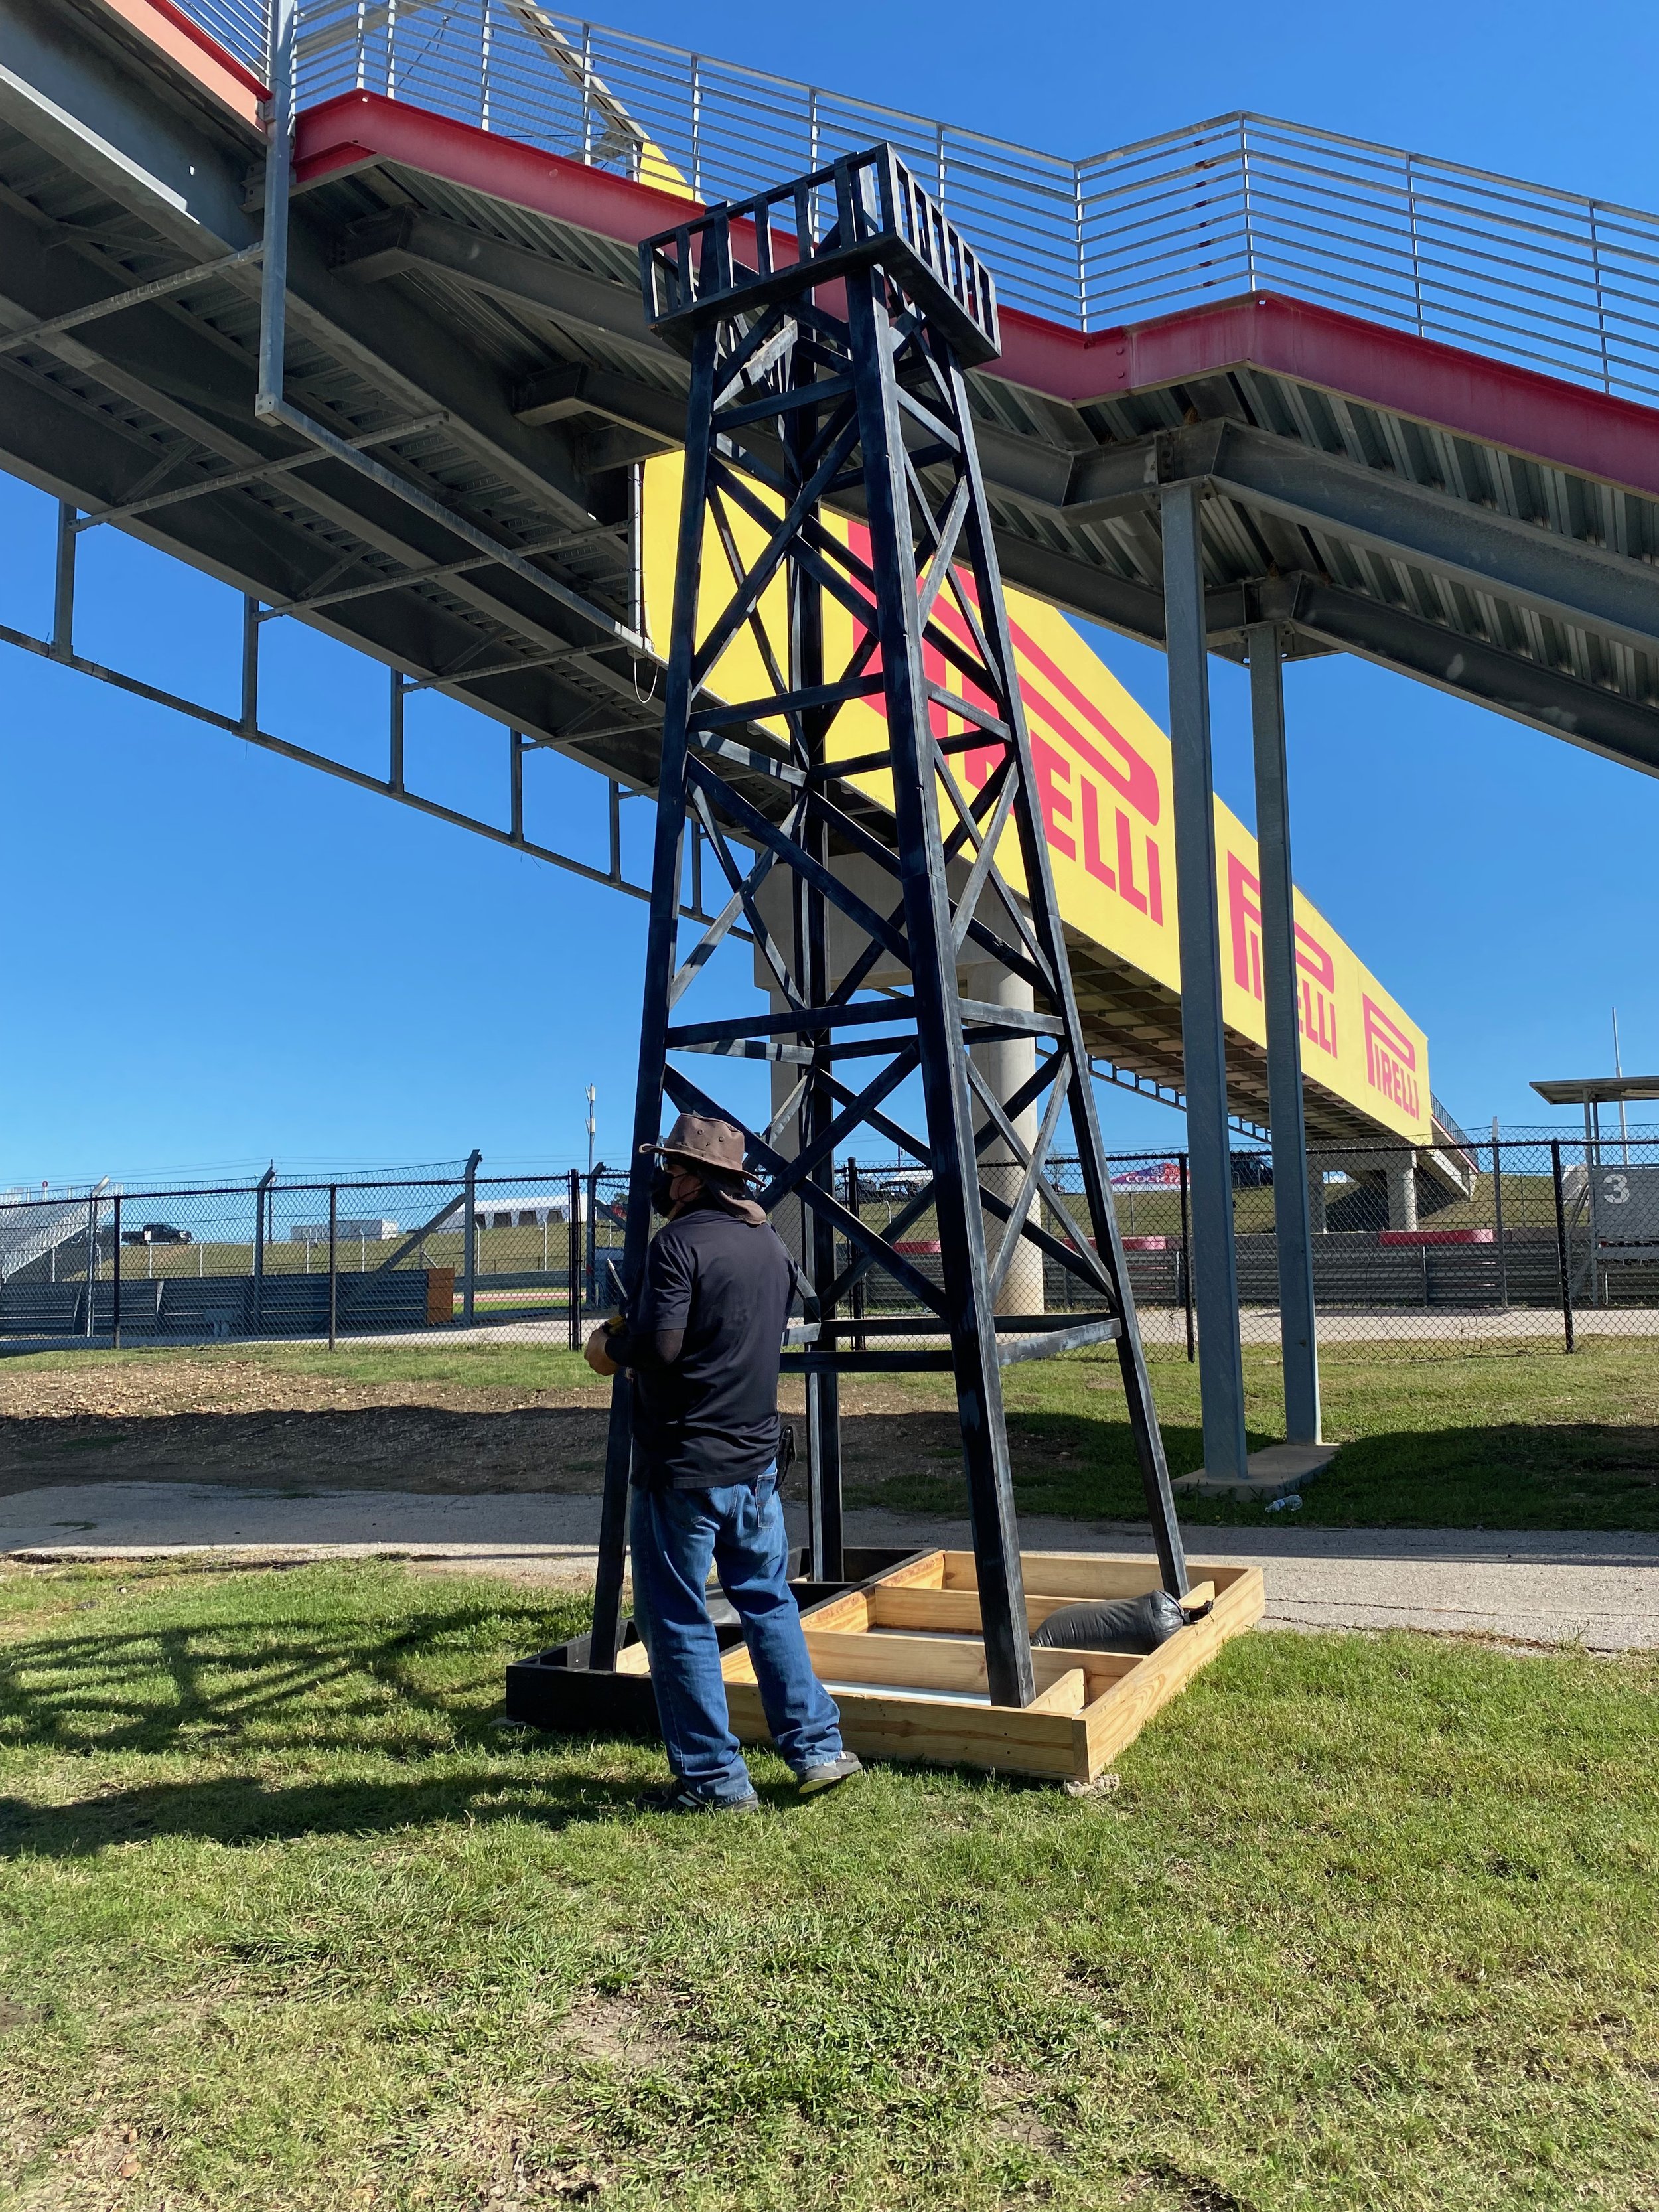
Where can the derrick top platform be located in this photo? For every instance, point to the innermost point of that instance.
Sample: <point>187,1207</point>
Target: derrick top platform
<point>1418,399</point>
<point>862,209</point>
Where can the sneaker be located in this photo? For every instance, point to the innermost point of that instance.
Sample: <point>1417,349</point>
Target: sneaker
<point>833,1772</point>
<point>680,1797</point>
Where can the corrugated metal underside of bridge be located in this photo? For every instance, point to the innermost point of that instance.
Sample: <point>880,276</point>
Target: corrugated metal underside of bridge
<point>469,310</point>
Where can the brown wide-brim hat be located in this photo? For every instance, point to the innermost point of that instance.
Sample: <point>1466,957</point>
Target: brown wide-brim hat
<point>706,1143</point>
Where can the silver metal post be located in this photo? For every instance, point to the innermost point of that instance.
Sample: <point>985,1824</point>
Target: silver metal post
<point>587,94</point>
<point>279,164</point>
<point>250,665</point>
<point>1601,301</point>
<point>395,764</point>
<point>1081,246</point>
<point>1220,1362</point>
<point>63,602</point>
<point>470,1238</point>
<point>1417,254</point>
<point>1293,1230</point>
<point>696,128</point>
<point>261,1204</point>
<point>636,555</point>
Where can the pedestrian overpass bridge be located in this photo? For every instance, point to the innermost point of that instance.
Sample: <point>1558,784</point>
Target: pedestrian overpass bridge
<point>1413,402</point>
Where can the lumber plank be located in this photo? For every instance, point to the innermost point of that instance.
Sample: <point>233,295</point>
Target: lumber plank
<point>926,1573</point>
<point>1066,1694</point>
<point>943,1609</point>
<point>949,1610</point>
<point>1090,1704</point>
<point>1002,1737</point>
<point>1074,1575</point>
<point>633,1659</point>
<point>1116,1719</point>
<point>943,1662</point>
<point>850,1610</point>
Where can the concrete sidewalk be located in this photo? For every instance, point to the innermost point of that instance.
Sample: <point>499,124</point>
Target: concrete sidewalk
<point>1521,1586</point>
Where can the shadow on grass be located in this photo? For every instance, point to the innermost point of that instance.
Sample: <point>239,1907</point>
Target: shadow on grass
<point>243,1809</point>
<point>324,1684</point>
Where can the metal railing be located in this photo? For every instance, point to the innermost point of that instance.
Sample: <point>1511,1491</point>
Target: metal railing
<point>1551,280</point>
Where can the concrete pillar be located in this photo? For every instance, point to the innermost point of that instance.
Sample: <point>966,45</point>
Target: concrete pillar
<point>1215,1269</point>
<point>1279,994</point>
<point>789,1218</point>
<point>1402,1191</point>
<point>1005,1067</point>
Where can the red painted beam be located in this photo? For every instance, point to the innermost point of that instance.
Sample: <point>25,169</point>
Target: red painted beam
<point>1544,418</point>
<point>359,128</point>
<point>195,52</point>
<point>1561,425</point>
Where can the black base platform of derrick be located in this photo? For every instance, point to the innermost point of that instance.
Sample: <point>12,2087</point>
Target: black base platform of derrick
<point>556,1689</point>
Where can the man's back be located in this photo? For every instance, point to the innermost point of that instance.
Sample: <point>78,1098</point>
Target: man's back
<point>711,1417</point>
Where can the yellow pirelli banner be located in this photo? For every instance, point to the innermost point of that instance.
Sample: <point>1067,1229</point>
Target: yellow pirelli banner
<point>1103,776</point>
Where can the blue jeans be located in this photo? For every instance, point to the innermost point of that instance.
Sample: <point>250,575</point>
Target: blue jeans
<point>676,1533</point>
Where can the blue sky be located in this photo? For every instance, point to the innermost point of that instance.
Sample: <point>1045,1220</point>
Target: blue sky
<point>217,957</point>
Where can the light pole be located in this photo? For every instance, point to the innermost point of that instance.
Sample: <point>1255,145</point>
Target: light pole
<point>592,1127</point>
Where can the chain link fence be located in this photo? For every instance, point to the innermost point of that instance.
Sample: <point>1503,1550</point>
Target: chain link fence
<point>281,1258</point>
<point>1451,1248</point>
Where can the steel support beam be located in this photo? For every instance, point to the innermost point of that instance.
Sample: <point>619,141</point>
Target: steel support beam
<point>1280,995</point>
<point>1492,554</point>
<point>1215,1271</point>
<point>406,242</point>
<point>1486,675</point>
<point>141,356</point>
<point>1332,618</point>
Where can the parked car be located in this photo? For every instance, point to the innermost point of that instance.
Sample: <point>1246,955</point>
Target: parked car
<point>156,1232</point>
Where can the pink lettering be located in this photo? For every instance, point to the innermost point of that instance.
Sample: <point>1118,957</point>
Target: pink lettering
<point>1091,859</point>
<point>1050,767</point>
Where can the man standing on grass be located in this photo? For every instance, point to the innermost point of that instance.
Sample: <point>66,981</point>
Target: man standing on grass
<point>702,1345</point>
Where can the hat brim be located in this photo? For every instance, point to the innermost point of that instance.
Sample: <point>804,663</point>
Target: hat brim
<point>697,1160</point>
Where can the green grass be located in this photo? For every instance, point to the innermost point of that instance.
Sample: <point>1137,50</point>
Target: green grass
<point>1533,1440</point>
<point>1527,1439</point>
<point>1368,1924</point>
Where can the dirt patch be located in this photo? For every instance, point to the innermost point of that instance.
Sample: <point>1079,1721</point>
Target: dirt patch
<point>1011,2098</point>
<point>619,2031</point>
<point>94,2173</point>
<point>418,1448</point>
<point>240,1422</point>
<point>139,1389</point>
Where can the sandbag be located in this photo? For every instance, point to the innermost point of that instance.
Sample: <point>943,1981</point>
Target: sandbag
<point>1122,1624</point>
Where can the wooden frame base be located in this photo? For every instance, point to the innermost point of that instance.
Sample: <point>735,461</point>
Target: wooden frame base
<point>904,1659</point>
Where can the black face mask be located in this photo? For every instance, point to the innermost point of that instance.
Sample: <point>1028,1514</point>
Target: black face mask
<point>662,1192</point>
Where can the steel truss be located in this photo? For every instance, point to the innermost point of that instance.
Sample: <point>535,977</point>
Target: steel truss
<point>829,359</point>
<point>60,647</point>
